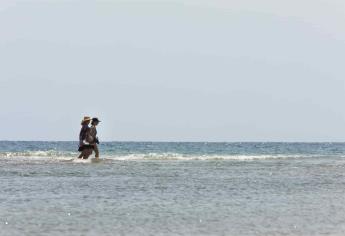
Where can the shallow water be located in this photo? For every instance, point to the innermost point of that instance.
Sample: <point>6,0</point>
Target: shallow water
<point>164,189</point>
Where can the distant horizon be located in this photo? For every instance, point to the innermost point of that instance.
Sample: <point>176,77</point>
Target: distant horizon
<point>119,141</point>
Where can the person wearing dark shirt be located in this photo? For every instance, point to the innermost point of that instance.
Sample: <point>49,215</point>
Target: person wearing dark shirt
<point>84,147</point>
<point>93,136</point>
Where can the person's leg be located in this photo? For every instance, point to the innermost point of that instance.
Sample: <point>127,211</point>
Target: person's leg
<point>96,151</point>
<point>81,152</point>
<point>87,152</point>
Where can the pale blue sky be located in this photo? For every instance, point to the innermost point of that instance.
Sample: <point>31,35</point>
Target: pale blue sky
<point>175,70</point>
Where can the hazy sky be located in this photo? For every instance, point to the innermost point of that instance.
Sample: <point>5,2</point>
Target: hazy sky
<point>178,70</point>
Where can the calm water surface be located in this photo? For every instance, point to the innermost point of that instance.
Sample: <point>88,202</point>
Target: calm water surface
<point>173,189</point>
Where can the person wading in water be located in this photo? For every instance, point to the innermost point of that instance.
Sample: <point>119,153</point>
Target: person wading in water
<point>93,139</point>
<point>84,146</point>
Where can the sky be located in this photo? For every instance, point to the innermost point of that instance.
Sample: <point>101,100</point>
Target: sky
<point>177,70</point>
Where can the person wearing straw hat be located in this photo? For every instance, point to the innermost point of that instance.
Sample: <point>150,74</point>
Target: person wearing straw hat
<point>84,147</point>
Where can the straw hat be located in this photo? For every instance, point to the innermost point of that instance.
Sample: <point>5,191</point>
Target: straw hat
<point>86,118</point>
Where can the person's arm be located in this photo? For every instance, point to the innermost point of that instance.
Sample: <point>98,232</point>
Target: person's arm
<point>81,136</point>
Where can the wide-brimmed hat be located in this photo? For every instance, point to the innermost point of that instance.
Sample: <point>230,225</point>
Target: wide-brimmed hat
<point>95,119</point>
<point>86,118</point>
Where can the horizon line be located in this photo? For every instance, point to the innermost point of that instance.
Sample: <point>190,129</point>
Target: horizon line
<point>148,141</point>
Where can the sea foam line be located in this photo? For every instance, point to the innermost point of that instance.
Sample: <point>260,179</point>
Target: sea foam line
<point>56,155</point>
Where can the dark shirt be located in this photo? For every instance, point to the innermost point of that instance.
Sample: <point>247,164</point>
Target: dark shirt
<point>93,134</point>
<point>83,133</point>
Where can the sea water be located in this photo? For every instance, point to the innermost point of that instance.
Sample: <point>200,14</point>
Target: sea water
<point>152,188</point>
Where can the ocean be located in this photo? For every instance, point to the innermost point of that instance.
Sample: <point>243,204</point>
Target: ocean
<point>158,188</point>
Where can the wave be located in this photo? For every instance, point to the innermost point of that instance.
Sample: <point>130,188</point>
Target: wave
<point>54,155</point>
<point>176,156</point>
<point>38,155</point>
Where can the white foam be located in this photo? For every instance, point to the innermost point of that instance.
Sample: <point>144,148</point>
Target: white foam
<point>175,156</point>
<point>82,161</point>
<point>58,156</point>
<point>51,155</point>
